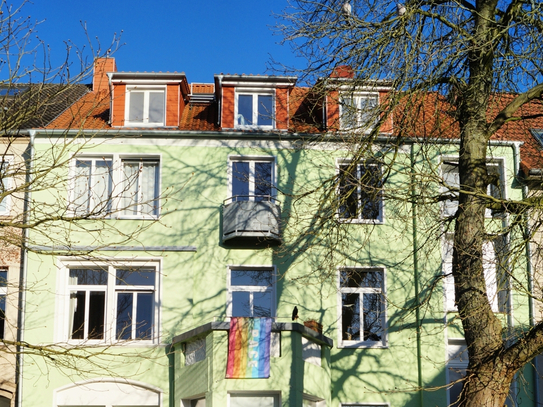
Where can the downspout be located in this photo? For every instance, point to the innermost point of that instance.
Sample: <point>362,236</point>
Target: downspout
<point>219,99</point>
<point>416,276</point>
<point>23,273</point>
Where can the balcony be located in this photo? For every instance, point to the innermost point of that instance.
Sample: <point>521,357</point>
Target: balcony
<point>299,365</point>
<point>250,219</point>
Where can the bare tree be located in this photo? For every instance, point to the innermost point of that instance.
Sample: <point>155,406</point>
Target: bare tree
<point>478,66</point>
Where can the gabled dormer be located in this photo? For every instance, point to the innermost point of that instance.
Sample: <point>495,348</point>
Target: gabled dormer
<point>254,102</point>
<point>147,99</point>
<point>352,104</point>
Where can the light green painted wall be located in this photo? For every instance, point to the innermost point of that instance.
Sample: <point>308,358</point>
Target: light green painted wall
<point>193,285</point>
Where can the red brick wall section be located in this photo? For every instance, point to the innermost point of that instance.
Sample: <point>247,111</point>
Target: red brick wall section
<point>172,105</point>
<point>281,108</point>
<point>102,66</point>
<point>332,110</point>
<point>387,125</point>
<point>119,96</point>
<point>227,114</point>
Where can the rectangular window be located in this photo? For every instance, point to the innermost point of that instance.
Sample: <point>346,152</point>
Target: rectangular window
<point>140,187</point>
<point>251,292</point>
<point>121,298</point>
<point>6,181</point>
<point>495,261</point>
<point>3,295</point>
<point>363,306</point>
<point>358,111</point>
<point>254,400</point>
<point>254,110</point>
<point>360,191</point>
<point>145,107</point>
<point>252,179</point>
<point>93,183</point>
<point>107,185</point>
<point>451,179</point>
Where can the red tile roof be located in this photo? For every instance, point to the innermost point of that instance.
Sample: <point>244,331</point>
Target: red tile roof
<point>427,115</point>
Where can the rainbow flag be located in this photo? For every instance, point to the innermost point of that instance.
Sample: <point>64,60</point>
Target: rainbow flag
<point>249,348</point>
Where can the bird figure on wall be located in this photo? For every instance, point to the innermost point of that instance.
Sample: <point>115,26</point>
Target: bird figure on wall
<point>346,8</point>
<point>295,313</point>
<point>400,8</point>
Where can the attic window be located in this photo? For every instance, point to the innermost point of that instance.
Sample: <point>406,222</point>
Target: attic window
<point>254,109</point>
<point>145,107</point>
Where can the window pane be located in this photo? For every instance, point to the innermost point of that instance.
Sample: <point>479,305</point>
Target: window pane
<point>348,112</point>
<point>262,304</point>
<point>125,302</point>
<point>451,178</point>
<point>263,180</point>
<point>367,113</point>
<point>135,114</point>
<point>373,325</point>
<point>262,278</point>
<point>454,375</point>
<point>3,278</point>
<point>135,276</point>
<point>241,304</point>
<point>144,312</point>
<point>370,185</point>
<point>348,192</point>
<point>265,110</point>
<point>149,185</point>
<point>350,317</point>
<point>156,107</point>
<point>88,277</point>
<point>101,186</point>
<point>77,311</point>
<point>5,185</point>
<point>97,302</point>
<point>2,315</point>
<point>240,181</point>
<point>245,110</point>
<point>252,401</point>
<point>198,403</point>
<point>82,185</point>
<point>361,278</point>
<point>130,187</point>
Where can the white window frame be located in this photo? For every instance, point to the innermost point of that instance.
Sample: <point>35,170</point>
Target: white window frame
<point>357,97</point>
<point>111,289</point>
<point>342,343</point>
<point>380,219</point>
<point>146,90</point>
<point>457,358</point>
<point>7,161</point>
<point>494,164</point>
<point>252,160</point>
<point>275,394</point>
<point>93,205</point>
<point>251,288</point>
<point>496,285</point>
<point>116,193</point>
<point>254,93</point>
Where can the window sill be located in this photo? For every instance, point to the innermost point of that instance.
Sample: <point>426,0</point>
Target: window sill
<point>127,343</point>
<point>138,217</point>
<point>361,221</point>
<point>362,344</point>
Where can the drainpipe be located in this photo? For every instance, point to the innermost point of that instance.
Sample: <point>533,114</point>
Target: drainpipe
<point>219,99</point>
<point>23,274</point>
<point>416,277</point>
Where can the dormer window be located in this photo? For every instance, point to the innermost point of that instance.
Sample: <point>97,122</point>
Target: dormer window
<point>255,110</point>
<point>358,111</point>
<point>145,106</point>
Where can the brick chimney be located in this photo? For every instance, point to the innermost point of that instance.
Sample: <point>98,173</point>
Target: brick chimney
<point>102,66</point>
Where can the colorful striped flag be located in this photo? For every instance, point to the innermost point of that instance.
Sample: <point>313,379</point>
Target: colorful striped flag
<point>249,348</point>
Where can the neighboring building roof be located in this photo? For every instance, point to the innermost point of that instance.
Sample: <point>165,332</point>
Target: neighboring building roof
<point>36,105</point>
<point>89,112</point>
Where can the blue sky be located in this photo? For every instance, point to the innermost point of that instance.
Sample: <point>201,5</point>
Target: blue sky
<point>198,37</point>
